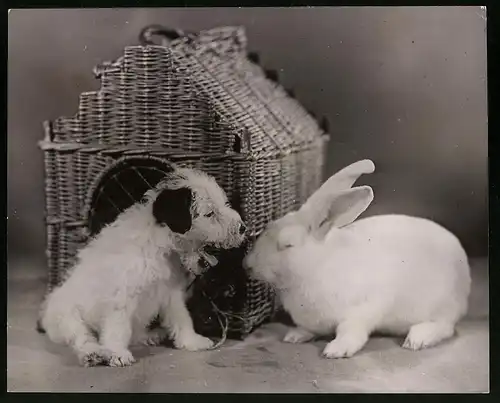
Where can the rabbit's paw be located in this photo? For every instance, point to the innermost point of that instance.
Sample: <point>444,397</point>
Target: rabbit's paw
<point>340,349</point>
<point>427,334</point>
<point>298,335</point>
<point>350,339</point>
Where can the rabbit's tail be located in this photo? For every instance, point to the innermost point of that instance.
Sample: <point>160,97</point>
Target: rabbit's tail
<point>39,326</point>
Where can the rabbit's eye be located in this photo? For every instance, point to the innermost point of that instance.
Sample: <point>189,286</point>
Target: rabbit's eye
<point>283,246</point>
<point>211,214</point>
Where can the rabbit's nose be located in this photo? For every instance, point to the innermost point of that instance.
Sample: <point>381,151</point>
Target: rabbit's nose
<point>245,265</point>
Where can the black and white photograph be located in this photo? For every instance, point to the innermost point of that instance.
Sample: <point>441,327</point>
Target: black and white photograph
<point>248,200</point>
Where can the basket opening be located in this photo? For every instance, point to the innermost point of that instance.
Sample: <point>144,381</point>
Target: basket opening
<point>123,185</point>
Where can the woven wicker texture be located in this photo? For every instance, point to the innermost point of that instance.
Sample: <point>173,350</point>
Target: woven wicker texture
<point>197,101</point>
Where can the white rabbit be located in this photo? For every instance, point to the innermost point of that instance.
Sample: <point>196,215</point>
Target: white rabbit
<point>390,273</point>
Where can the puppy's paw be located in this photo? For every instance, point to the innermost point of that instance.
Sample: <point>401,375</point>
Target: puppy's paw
<point>298,335</point>
<point>92,359</point>
<point>154,337</point>
<point>121,359</point>
<point>193,342</point>
<point>97,356</point>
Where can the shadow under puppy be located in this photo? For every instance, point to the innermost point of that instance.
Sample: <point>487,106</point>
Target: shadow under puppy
<point>139,267</point>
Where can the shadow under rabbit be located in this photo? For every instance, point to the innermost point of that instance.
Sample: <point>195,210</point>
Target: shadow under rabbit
<point>379,341</point>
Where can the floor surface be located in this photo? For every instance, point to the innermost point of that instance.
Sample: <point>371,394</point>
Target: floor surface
<point>259,364</point>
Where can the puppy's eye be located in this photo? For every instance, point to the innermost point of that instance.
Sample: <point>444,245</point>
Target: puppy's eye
<point>211,214</point>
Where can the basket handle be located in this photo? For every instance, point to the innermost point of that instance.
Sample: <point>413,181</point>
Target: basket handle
<point>166,34</point>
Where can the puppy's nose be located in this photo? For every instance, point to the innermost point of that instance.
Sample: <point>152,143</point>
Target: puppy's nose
<point>242,229</point>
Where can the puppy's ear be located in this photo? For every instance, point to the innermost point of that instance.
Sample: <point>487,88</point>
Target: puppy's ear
<point>173,208</point>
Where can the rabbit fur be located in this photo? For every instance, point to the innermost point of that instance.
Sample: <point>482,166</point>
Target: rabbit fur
<point>395,274</point>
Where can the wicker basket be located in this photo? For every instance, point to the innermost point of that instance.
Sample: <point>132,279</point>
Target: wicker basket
<point>195,101</point>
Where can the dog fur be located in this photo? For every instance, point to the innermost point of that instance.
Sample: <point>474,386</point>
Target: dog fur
<point>140,266</point>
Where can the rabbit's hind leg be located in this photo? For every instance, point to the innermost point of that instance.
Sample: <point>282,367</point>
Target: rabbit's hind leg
<point>428,334</point>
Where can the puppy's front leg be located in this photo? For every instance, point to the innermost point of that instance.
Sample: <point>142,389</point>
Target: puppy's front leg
<point>116,334</point>
<point>177,320</point>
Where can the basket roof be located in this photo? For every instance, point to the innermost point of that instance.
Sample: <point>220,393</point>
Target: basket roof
<point>212,70</point>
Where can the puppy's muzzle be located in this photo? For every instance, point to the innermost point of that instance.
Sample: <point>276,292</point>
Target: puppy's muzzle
<point>243,229</point>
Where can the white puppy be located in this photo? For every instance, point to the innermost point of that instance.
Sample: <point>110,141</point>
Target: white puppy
<point>138,267</point>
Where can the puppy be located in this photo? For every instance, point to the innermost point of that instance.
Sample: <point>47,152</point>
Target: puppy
<point>139,267</point>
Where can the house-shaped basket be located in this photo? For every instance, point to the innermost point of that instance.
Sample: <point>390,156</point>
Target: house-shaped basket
<point>195,101</point>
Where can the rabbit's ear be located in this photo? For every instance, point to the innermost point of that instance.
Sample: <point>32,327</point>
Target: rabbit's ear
<point>346,206</point>
<point>315,208</point>
<point>289,236</point>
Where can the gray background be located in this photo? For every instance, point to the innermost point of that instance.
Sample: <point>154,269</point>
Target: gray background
<point>405,87</point>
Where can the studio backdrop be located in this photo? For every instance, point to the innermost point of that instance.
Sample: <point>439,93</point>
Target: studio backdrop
<point>404,87</point>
